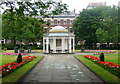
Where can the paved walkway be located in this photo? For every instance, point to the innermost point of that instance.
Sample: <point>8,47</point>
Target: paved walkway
<point>60,68</point>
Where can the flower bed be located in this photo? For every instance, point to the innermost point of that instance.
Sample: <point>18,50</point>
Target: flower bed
<point>111,67</point>
<point>14,53</point>
<point>11,67</point>
<point>98,52</point>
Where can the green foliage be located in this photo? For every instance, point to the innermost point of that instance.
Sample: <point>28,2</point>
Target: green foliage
<point>19,58</point>
<point>5,49</point>
<point>97,25</point>
<point>20,21</point>
<point>102,35</point>
<point>109,23</point>
<point>86,24</point>
<point>8,46</point>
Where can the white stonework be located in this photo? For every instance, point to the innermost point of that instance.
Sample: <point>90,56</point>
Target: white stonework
<point>69,44</point>
<point>43,44</point>
<point>47,44</point>
<point>58,42</point>
<point>54,45</point>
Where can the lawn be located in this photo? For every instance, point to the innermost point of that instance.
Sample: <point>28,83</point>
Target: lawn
<point>9,51</point>
<point>93,51</point>
<point>110,57</point>
<point>32,51</point>
<point>7,59</point>
<point>17,74</point>
<point>99,70</point>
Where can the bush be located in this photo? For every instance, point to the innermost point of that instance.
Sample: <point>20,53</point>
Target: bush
<point>77,47</point>
<point>19,58</point>
<point>35,46</point>
<point>5,49</point>
<point>101,57</point>
<point>17,45</point>
<point>8,46</point>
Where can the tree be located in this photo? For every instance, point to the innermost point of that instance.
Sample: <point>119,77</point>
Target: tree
<point>97,25</point>
<point>110,23</point>
<point>17,18</point>
<point>102,35</point>
<point>86,24</point>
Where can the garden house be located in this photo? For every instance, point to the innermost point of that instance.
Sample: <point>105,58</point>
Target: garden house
<point>58,40</point>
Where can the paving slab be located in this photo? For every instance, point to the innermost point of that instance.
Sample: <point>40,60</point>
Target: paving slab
<point>61,68</point>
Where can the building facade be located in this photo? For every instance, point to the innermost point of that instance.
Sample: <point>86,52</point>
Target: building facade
<point>94,5</point>
<point>119,4</point>
<point>66,20</point>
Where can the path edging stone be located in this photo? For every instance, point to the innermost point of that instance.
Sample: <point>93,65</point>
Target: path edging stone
<point>19,80</point>
<point>91,70</point>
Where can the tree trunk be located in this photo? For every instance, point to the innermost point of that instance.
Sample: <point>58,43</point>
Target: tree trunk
<point>14,42</point>
<point>107,45</point>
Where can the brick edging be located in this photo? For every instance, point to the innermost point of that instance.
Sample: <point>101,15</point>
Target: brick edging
<point>19,80</point>
<point>92,71</point>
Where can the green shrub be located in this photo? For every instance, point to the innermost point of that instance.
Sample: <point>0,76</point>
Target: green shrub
<point>19,58</point>
<point>5,49</point>
<point>101,57</point>
<point>9,46</point>
<point>77,47</point>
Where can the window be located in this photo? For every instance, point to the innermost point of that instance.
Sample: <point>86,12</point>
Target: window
<point>58,42</point>
<point>71,22</point>
<point>58,22</point>
<point>71,30</point>
<point>45,30</point>
<point>52,22</point>
<point>65,22</point>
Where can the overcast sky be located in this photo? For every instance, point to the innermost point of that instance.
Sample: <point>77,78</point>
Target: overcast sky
<point>78,5</point>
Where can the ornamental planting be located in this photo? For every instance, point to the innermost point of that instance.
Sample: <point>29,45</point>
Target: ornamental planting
<point>109,66</point>
<point>98,52</point>
<point>11,67</point>
<point>5,53</point>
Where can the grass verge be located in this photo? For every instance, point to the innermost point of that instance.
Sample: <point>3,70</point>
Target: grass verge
<point>110,57</point>
<point>107,76</point>
<point>17,74</point>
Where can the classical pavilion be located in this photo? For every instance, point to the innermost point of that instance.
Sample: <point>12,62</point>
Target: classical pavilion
<point>59,40</point>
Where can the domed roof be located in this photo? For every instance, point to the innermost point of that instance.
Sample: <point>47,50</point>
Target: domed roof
<point>58,29</point>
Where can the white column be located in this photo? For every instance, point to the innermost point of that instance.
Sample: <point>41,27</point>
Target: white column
<point>73,44</point>
<point>43,44</point>
<point>47,44</point>
<point>63,46</point>
<point>69,44</point>
<point>4,41</point>
<point>54,44</point>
